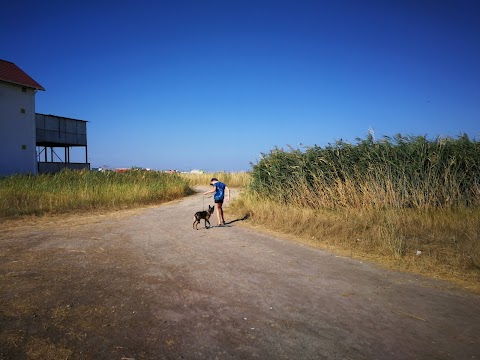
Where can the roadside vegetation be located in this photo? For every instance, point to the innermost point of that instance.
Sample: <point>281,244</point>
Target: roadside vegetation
<point>233,180</point>
<point>70,191</point>
<point>407,202</point>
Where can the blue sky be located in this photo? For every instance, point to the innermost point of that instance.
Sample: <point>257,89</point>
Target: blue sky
<point>212,84</point>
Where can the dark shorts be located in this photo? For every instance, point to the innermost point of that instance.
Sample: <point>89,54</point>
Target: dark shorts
<point>219,201</point>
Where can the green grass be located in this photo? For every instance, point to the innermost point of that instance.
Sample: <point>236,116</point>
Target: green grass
<point>69,191</point>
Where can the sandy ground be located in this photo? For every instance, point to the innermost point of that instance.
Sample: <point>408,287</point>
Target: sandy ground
<point>142,284</point>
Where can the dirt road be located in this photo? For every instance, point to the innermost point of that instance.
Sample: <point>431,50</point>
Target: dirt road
<point>143,285</point>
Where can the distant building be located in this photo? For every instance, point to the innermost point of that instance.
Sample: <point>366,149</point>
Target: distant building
<point>23,133</point>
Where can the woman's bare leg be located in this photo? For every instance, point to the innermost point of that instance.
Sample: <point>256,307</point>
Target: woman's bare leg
<point>219,212</point>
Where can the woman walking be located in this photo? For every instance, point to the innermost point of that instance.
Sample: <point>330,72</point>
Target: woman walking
<point>219,190</point>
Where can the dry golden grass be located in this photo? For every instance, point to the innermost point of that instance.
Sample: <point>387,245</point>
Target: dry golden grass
<point>76,191</point>
<point>233,180</point>
<point>387,199</point>
<point>449,240</point>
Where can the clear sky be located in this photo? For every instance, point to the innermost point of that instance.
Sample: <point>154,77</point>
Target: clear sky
<point>212,84</point>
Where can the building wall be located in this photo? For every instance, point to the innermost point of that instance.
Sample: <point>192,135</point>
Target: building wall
<point>17,130</point>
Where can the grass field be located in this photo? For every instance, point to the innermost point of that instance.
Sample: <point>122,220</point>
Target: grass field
<point>408,202</point>
<point>70,191</point>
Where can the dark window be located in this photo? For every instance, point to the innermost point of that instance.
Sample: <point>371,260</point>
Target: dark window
<point>24,89</point>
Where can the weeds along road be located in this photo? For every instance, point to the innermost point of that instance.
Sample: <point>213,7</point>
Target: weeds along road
<point>143,284</point>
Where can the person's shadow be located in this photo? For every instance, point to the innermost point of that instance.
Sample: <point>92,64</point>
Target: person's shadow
<point>245,217</point>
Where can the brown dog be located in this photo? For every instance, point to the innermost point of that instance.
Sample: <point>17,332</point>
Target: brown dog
<point>199,215</point>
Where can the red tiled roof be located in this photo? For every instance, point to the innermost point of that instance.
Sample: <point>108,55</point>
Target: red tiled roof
<point>11,73</point>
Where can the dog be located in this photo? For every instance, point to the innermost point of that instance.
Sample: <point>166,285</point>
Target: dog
<point>199,215</point>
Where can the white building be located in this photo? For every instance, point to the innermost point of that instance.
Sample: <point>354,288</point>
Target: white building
<point>29,142</point>
<point>17,120</point>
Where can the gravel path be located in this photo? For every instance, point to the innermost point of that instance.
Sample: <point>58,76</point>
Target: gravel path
<point>145,285</point>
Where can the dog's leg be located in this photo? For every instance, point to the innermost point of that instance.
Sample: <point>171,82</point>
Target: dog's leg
<point>206,224</point>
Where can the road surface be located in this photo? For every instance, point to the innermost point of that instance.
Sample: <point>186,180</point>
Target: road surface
<point>143,284</point>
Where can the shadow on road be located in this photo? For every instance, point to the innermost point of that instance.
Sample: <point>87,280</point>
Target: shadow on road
<point>245,217</point>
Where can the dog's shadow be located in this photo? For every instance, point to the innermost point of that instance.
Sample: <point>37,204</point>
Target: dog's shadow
<point>245,217</point>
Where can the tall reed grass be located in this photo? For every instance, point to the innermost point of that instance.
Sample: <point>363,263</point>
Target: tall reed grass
<point>84,190</point>
<point>388,200</point>
<point>399,172</point>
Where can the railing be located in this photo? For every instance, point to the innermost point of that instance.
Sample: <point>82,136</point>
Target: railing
<point>53,167</point>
